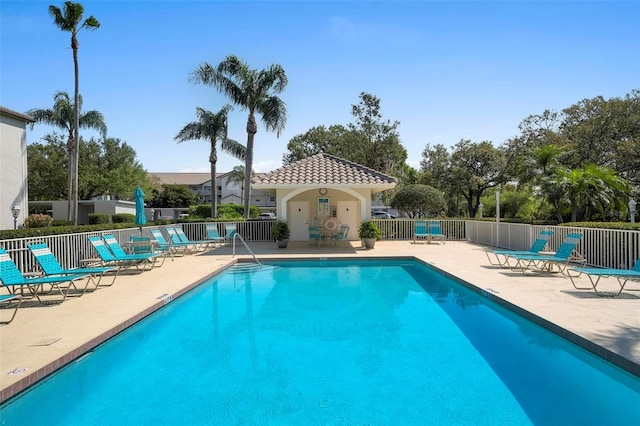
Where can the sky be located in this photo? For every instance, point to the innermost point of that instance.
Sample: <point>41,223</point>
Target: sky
<point>446,70</point>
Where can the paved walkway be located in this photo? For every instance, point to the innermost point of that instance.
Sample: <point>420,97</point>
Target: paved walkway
<point>43,338</point>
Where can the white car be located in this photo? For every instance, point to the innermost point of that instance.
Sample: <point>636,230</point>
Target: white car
<point>267,216</point>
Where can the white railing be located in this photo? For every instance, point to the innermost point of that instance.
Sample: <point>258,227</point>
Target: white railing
<point>601,247</point>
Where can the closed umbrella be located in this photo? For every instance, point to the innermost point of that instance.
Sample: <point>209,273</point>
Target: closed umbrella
<point>138,196</point>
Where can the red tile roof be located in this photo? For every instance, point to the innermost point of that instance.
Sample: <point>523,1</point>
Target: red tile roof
<point>324,169</point>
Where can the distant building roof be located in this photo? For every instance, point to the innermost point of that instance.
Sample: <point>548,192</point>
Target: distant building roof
<point>182,178</point>
<point>15,114</point>
<point>188,178</point>
<point>325,170</point>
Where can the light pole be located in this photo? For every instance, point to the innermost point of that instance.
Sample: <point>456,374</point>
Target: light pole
<point>632,210</point>
<point>15,211</point>
<point>498,203</point>
<point>480,207</point>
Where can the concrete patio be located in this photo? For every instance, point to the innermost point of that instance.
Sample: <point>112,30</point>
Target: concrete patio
<point>41,339</point>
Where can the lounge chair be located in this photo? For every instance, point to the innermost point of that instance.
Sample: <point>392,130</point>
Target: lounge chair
<point>144,259</point>
<point>621,275</point>
<point>50,265</point>
<point>13,279</point>
<point>420,230</point>
<point>177,231</point>
<point>537,246</point>
<point>561,258</point>
<point>144,245</point>
<point>8,299</point>
<point>230,230</point>
<point>341,235</point>
<point>163,245</point>
<point>314,234</point>
<point>435,232</point>
<point>123,260</point>
<point>213,235</point>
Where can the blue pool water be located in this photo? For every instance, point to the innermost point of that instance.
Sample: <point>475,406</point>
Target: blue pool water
<point>333,343</point>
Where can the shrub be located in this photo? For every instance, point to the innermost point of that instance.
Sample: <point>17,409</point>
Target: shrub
<point>123,218</point>
<point>280,231</point>
<point>60,222</point>
<point>98,218</point>
<point>200,210</point>
<point>38,220</point>
<point>369,229</point>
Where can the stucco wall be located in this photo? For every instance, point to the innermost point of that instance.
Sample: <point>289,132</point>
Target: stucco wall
<point>13,170</point>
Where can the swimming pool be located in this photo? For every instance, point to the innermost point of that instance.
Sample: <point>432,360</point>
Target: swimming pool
<point>333,342</point>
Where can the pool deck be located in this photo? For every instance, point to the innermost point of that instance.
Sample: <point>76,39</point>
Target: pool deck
<point>41,338</point>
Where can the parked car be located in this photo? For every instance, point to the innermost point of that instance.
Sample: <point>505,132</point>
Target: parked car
<point>380,215</point>
<point>267,216</point>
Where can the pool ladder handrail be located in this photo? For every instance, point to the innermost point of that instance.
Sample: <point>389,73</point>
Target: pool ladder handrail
<point>236,234</point>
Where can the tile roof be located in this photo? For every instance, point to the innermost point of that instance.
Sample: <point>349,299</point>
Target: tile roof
<point>326,170</point>
<point>15,114</point>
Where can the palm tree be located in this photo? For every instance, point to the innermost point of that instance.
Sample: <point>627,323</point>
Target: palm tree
<point>237,175</point>
<point>212,126</point>
<point>62,115</point>
<point>588,189</point>
<point>69,21</point>
<point>254,91</point>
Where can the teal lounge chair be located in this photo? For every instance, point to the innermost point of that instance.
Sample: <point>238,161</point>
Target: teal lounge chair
<point>538,245</point>
<point>342,235</point>
<point>9,299</point>
<point>621,275</point>
<point>561,258</point>
<point>182,237</point>
<point>213,235</point>
<point>123,260</point>
<point>144,259</point>
<point>50,265</point>
<point>435,232</point>
<point>13,279</point>
<point>420,231</point>
<point>230,230</point>
<point>164,245</point>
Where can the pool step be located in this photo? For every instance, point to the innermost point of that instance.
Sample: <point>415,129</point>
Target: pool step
<point>249,267</point>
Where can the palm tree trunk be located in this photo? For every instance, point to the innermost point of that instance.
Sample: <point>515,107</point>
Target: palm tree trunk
<point>251,132</point>
<point>76,125</point>
<point>213,159</point>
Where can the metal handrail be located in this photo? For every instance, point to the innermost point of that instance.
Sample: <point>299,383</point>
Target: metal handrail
<point>245,245</point>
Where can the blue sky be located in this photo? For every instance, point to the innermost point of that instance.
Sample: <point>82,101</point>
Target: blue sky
<point>446,70</point>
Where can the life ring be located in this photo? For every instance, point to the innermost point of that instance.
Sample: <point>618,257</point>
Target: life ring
<point>331,224</point>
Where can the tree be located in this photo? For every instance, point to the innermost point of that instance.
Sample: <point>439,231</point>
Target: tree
<point>587,190</point>
<point>62,115</point>
<point>382,149</point>
<point>253,90</point>
<point>334,140</point>
<point>237,175</point>
<point>69,22</point>
<point>172,196</point>
<point>213,127</point>
<point>476,167</point>
<point>47,169</point>
<point>370,141</point>
<point>419,200</point>
<point>107,167</point>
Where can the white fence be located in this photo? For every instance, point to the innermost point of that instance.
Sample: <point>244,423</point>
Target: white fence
<point>601,247</point>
